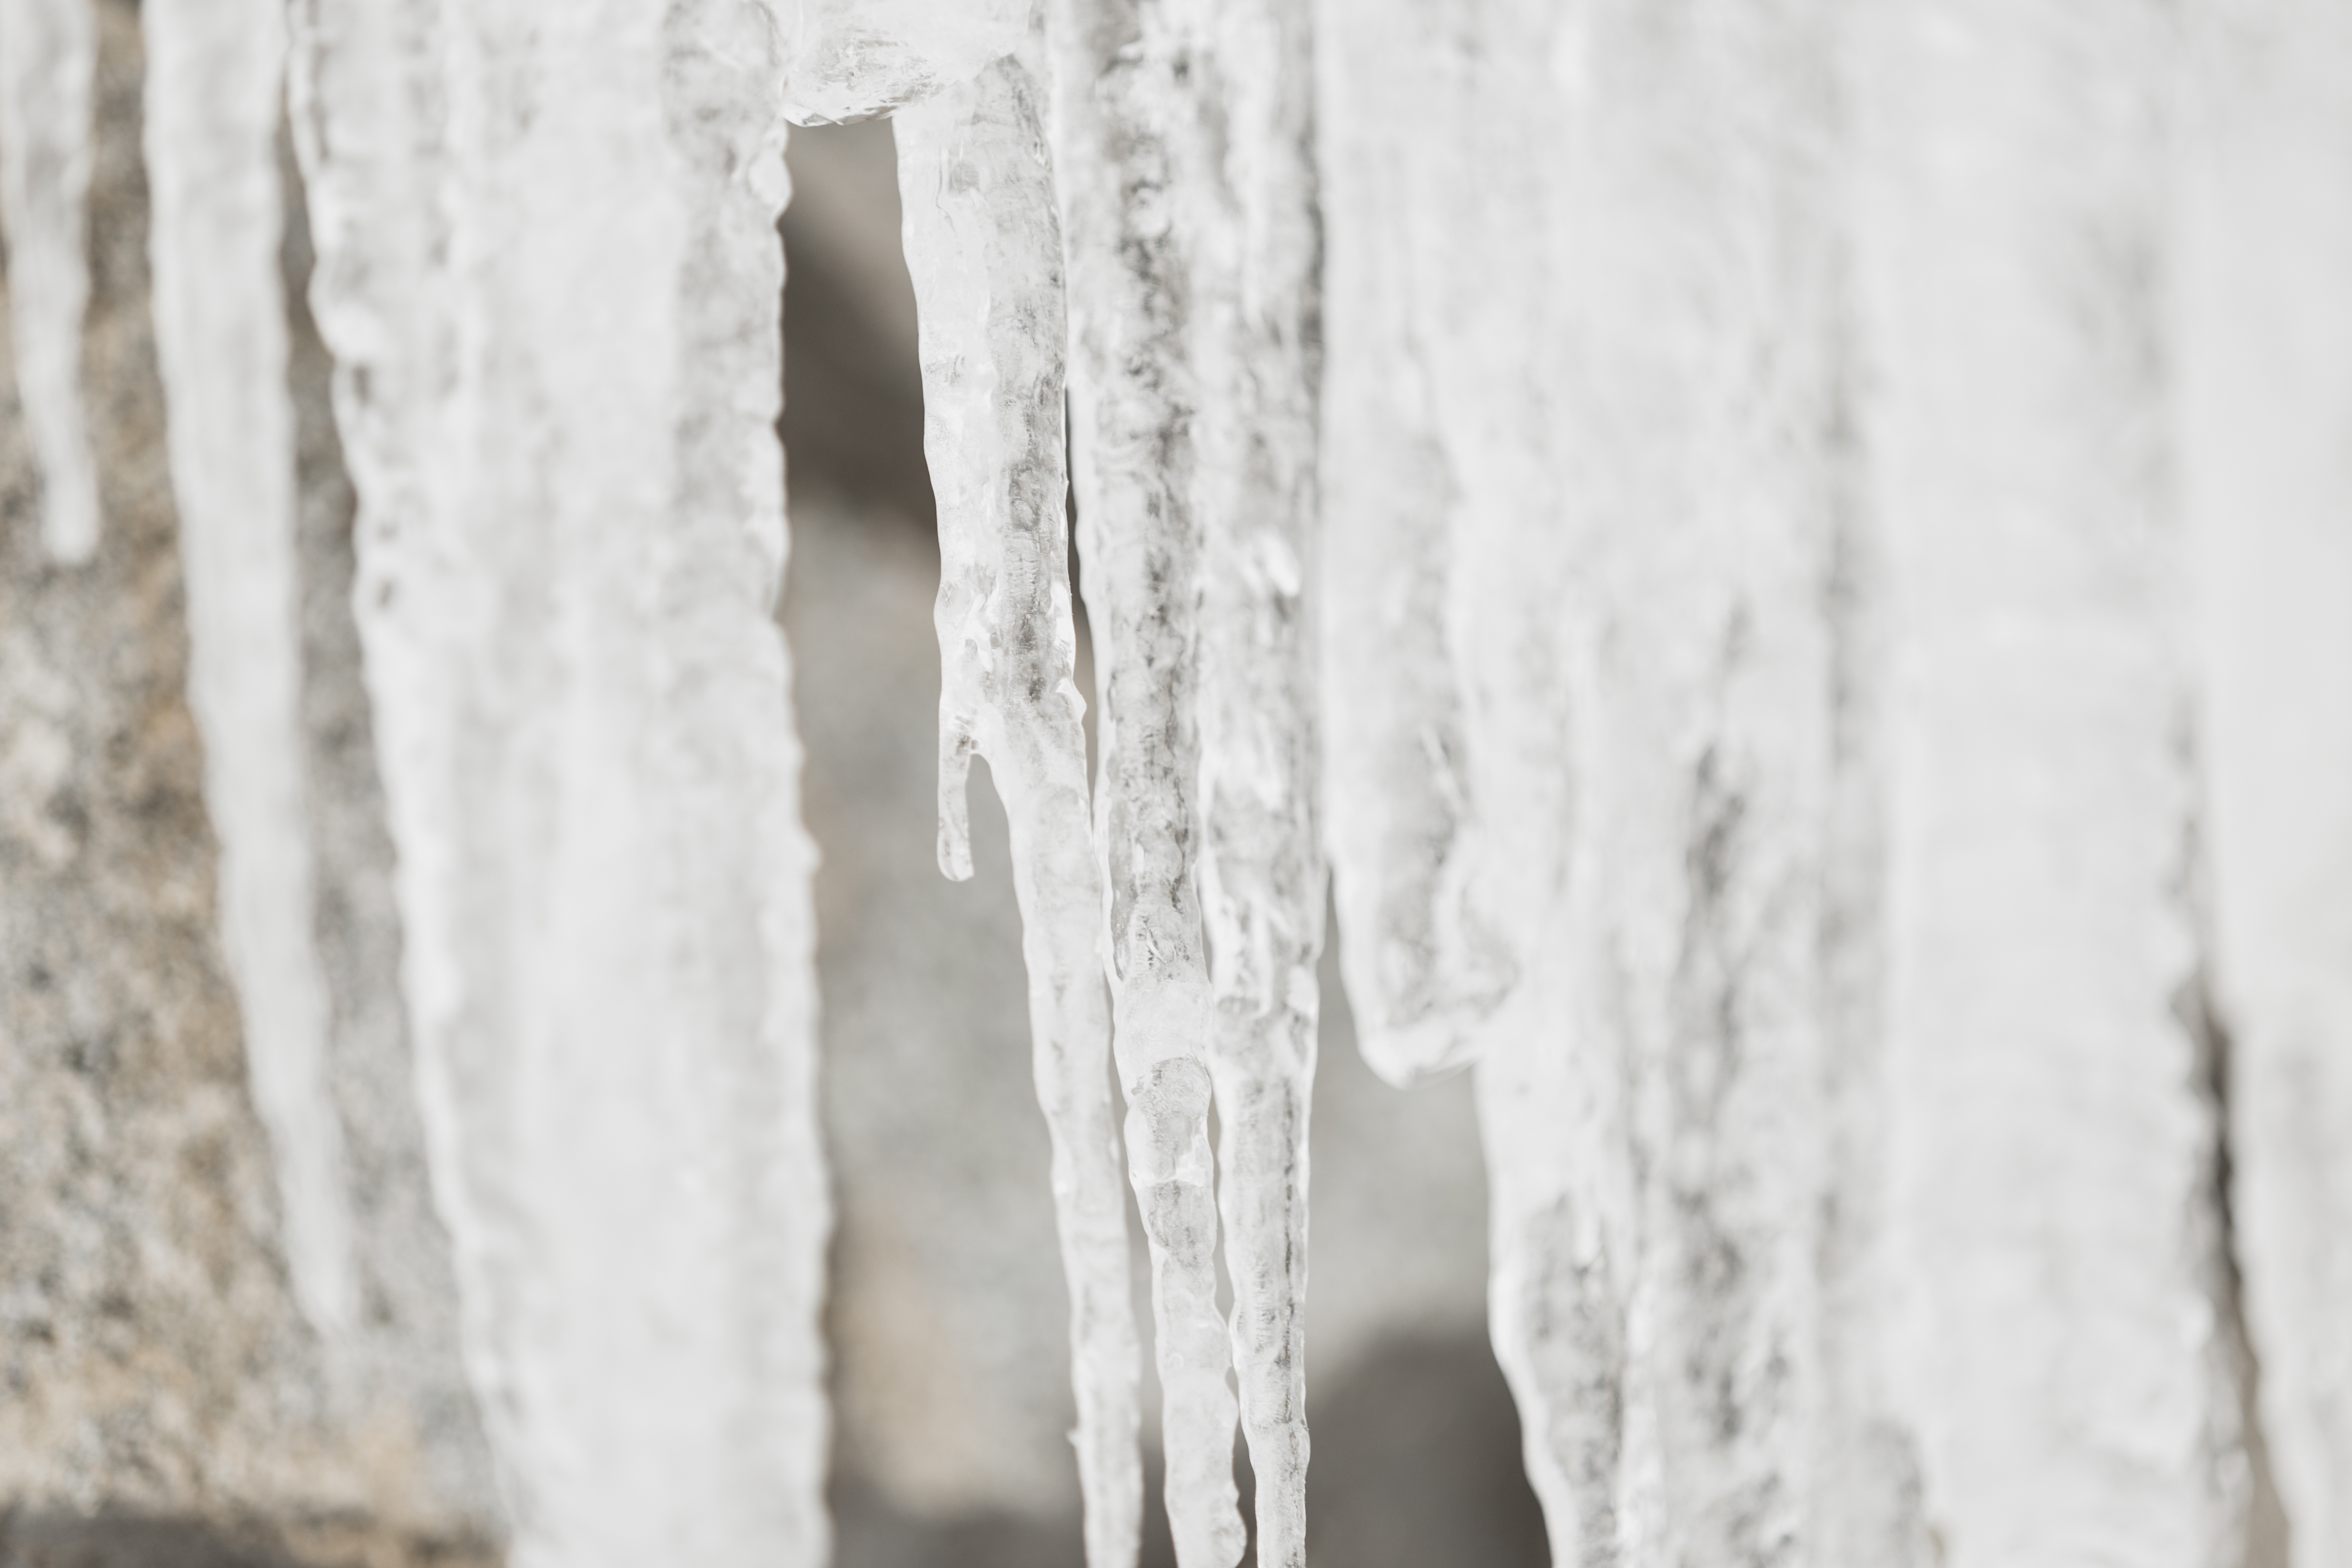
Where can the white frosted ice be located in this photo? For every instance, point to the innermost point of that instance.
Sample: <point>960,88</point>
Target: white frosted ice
<point>1425,953</point>
<point>1252,220</point>
<point>2264,361</point>
<point>2056,1349</point>
<point>213,102</point>
<point>49,50</point>
<point>855,59</point>
<point>555,316</point>
<point>983,247</point>
<point>1126,140</point>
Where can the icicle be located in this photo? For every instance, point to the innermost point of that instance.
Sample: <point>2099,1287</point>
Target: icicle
<point>855,59</point>
<point>213,107</point>
<point>1261,869</point>
<point>984,248</point>
<point>561,422</point>
<point>1126,144</point>
<point>2264,362</point>
<point>2057,1353</point>
<point>1424,951</point>
<point>48,49</point>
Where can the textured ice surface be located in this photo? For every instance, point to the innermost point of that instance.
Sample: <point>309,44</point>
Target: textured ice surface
<point>853,59</point>
<point>549,271</point>
<point>1423,945</point>
<point>2056,1348</point>
<point>214,81</point>
<point>48,49</point>
<point>983,247</point>
<point>1252,219</point>
<point>1128,141</point>
<point>2263,358</point>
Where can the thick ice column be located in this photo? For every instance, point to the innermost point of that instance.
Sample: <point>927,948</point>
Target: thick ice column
<point>1126,140</point>
<point>2264,357</point>
<point>49,50</point>
<point>983,246</point>
<point>2049,1195</point>
<point>856,59</point>
<point>212,105</point>
<point>1654,1093</point>
<point>1423,947</point>
<point>560,408</point>
<point>1260,865</point>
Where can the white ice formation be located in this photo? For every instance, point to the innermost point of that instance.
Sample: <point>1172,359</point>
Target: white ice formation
<point>549,271</point>
<point>48,51</point>
<point>214,84</point>
<point>983,247</point>
<point>1797,558</point>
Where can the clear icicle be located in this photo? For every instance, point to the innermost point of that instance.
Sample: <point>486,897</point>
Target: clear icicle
<point>572,542</point>
<point>213,106</point>
<point>856,59</point>
<point>2264,365</point>
<point>1424,952</point>
<point>48,51</point>
<point>1261,868</point>
<point>983,246</point>
<point>2057,1350</point>
<point>1126,140</point>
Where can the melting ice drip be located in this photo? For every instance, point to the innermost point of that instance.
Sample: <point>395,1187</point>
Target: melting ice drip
<point>1780,549</point>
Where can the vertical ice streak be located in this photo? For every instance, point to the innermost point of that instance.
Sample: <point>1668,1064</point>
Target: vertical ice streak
<point>549,268</point>
<point>48,49</point>
<point>983,246</point>
<point>212,105</point>
<point>1261,868</point>
<point>2057,1349</point>
<point>1425,952</point>
<point>2265,358</point>
<point>1126,140</point>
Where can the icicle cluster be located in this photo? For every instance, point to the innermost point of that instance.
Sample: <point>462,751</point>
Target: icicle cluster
<point>1799,558</point>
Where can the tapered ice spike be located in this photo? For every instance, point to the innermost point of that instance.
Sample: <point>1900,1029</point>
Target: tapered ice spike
<point>1129,139</point>
<point>983,247</point>
<point>214,75</point>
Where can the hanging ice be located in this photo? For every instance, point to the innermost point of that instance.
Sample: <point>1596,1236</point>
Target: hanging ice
<point>1423,945</point>
<point>855,59</point>
<point>559,408</point>
<point>983,246</point>
<point>1126,140</point>
<point>213,106</point>
<point>48,49</point>
<point>2058,1352</point>
<point>2264,366</point>
<point>1253,222</point>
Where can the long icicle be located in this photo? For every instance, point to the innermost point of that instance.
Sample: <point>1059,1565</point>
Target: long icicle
<point>1261,872</point>
<point>48,51</point>
<point>983,246</point>
<point>570,543</point>
<point>1126,136</point>
<point>213,108</point>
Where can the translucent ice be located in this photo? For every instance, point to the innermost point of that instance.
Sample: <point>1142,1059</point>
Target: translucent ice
<point>1126,140</point>
<point>1252,218</point>
<point>983,246</point>
<point>855,59</point>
